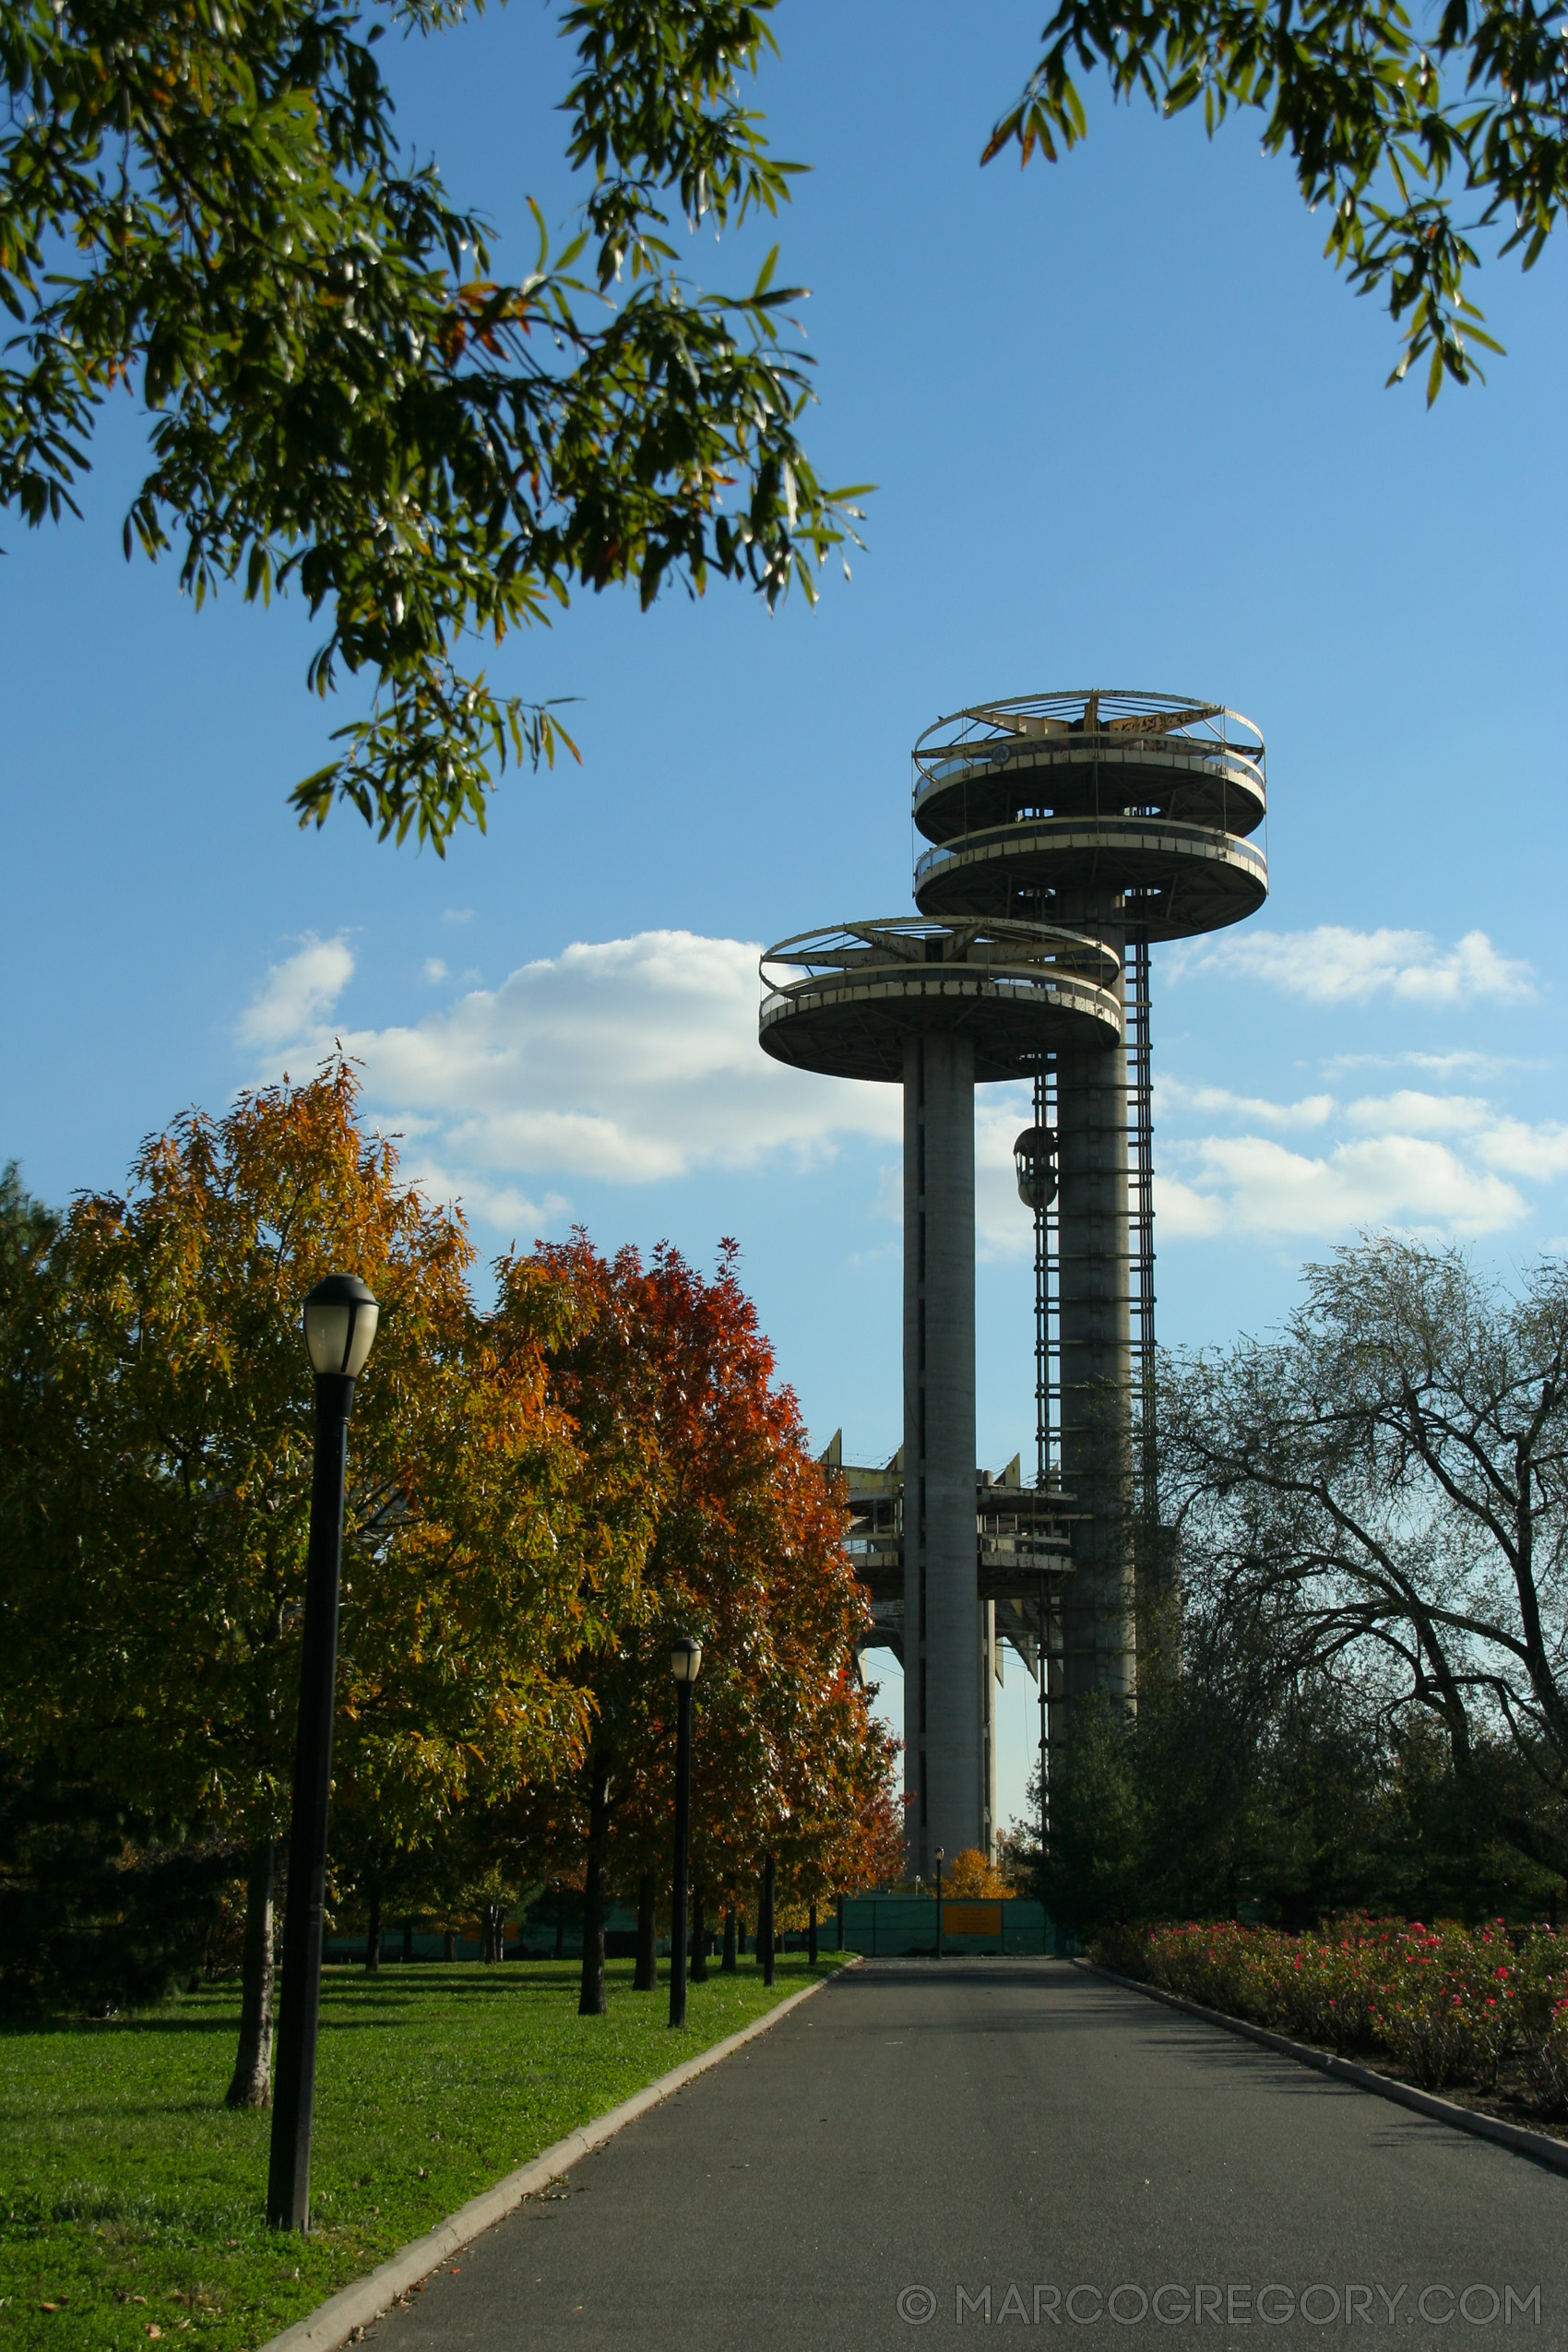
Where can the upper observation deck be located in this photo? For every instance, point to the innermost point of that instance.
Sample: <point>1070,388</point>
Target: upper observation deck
<point>1018,988</point>
<point>1104,751</point>
<point>1170,881</point>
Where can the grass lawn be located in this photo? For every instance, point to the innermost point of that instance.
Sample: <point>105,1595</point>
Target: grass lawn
<point>133,2201</point>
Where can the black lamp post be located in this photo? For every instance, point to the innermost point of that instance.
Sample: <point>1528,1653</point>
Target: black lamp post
<point>685,1660</point>
<point>341,1319</point>
<point>939,1902</point>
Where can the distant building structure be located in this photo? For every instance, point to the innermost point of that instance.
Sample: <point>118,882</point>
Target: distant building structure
<point>1069,832</point>
<point>1022,1559</point>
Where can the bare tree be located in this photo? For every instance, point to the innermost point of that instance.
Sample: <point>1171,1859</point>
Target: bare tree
<point>1387,1481</point>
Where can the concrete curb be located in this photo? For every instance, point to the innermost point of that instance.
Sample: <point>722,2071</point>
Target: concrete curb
<point>332,2322</point>
<point>1538,2145</point>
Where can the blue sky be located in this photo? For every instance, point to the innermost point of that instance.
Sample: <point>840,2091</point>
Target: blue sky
<point>1128,430</point>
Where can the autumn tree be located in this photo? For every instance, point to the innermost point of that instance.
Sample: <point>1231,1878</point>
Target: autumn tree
<point>747,1554</point>
<point>970,1878</point>
<point>158,1442</point>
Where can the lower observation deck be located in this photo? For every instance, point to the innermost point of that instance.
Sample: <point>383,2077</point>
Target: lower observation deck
<point>1015,987</point>
<point>1022,1550</point>
<point>1176,880</point>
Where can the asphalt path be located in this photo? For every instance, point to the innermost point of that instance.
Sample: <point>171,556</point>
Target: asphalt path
<point>926,2148</point>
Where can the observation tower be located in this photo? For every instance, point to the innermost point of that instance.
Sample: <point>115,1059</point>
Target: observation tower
<point>1068,831</point>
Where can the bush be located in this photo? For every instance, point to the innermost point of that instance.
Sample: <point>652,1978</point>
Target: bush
<point>1448,2003</point>
<point>95,1914</point>
<point>1549,2060</point>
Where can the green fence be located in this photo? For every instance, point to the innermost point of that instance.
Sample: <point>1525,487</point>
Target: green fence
<point>889,1926</point>
<point>532,1937</point>
<point>893,1926</point>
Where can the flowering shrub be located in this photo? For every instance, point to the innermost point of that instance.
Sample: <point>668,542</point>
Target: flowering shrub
<point>1548,2059</point>
<point>1448,2003</point>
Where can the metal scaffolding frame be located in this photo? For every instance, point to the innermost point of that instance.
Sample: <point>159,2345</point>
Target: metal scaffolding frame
<point>1048,1337</point>
<point>1140,1269</point>
<point>1048,1420</point>
<point>1140,1220</point>
<point>1140,1252</point>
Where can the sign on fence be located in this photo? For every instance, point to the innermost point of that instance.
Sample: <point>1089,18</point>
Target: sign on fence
<point>972,1919</point>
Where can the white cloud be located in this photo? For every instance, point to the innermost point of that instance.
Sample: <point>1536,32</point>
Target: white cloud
<point>635,1060</point>
<point>1004,1227</point>
<point>502,1206</point>
<point>1173,1095</point>
<point>1250,1184</point>
<point>627,1060</point>
<point>1411,1112</point>
<point>1332,965</point>
<point>297,994</point>
<point>1448,1164</point>
<point>1183,1214</point>
<point>1459,1063</point>
<point>1539,1152</point>
<point>1444,1165</point>
<point>434,969</point>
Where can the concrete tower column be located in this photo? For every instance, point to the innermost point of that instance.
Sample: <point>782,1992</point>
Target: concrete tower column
<point>989,1654</point>
<point>944,1758</point>
<point>1097,1361</point>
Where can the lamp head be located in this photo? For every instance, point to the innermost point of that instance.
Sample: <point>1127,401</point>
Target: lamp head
<point>939,1853</point>
<point>341,1319</point>
<point>685,1658</point>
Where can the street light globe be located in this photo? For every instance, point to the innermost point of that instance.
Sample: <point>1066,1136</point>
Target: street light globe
<point>939,1853</point>
<point>685,1658</point>
<point>340,1320</point>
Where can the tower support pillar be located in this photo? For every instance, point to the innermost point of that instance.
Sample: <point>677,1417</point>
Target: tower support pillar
<point>944,1750</point>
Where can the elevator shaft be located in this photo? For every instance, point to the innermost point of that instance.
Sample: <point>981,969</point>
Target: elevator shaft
<point>1099,1650</point>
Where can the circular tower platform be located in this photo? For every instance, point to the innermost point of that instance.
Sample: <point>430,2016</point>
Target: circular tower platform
<point>1101,806</point>
<point>1013,990</point>
<point>1101,752</point>
<point>1173,880</point>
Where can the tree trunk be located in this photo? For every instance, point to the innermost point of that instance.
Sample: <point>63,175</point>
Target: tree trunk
<point>646,1979</point>
<point>372,1934</point>
<point>408,1943</point>
<point>699,1936</point>
<point>590,2002</point>
<point>727,1966</point>
<point>764,1935</point>
<point>449,1945</point>
<point>811,1940</point>
<point>252,2082</point>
